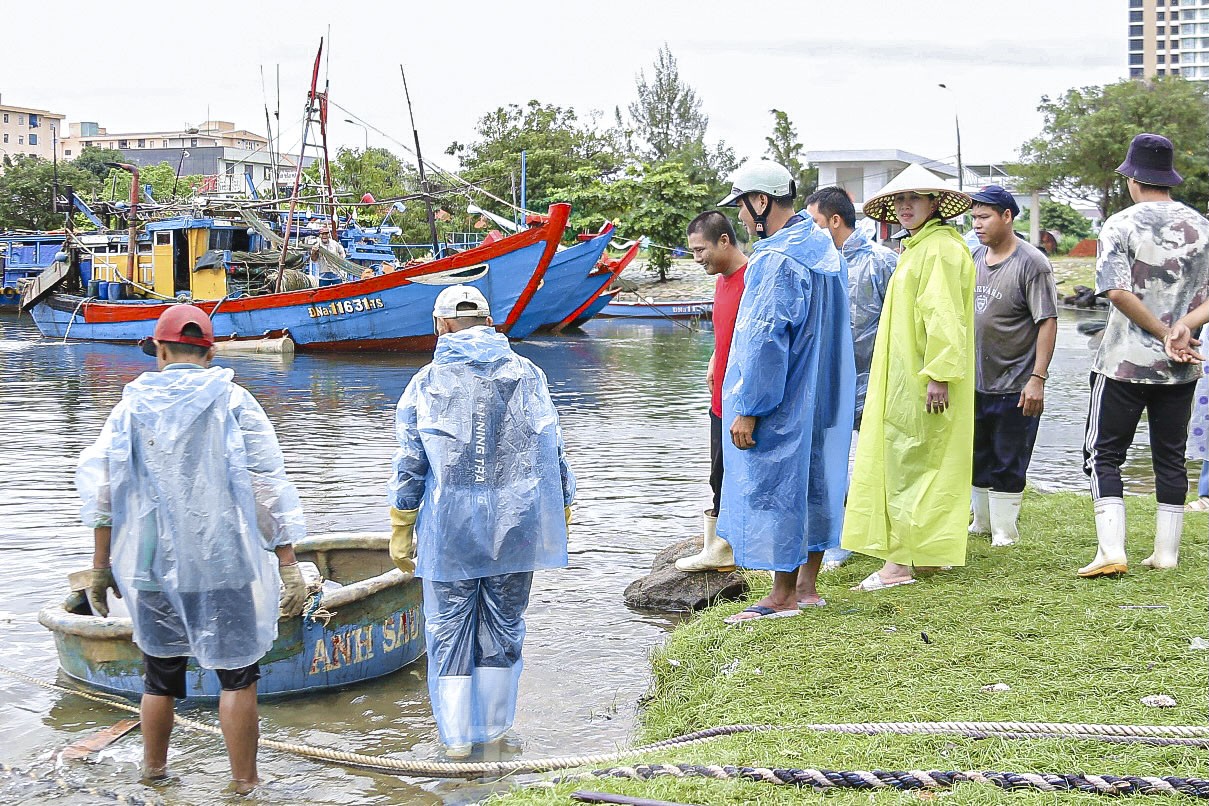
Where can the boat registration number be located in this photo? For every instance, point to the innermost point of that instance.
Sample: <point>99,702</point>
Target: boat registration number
<point>346,306</point>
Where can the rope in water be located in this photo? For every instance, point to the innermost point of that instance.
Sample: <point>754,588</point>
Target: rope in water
<point>914,779</point>
<point>1145,734</point>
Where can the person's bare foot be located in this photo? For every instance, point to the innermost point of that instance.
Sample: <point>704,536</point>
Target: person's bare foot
<point>769,601</point>
<point>893,573</point>
<point>243,786</point>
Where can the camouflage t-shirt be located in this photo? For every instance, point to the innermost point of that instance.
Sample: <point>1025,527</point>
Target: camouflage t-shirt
<point>1160,252</point>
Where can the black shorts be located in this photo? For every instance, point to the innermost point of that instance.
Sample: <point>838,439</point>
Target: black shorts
<point>165,677</point>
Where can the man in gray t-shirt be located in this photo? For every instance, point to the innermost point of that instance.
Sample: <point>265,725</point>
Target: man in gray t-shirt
<point>1015,325</point>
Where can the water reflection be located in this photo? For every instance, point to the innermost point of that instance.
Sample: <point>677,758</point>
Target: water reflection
<point>633,405</point>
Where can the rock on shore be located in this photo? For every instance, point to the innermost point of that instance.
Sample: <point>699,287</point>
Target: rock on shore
<point>667,588</point>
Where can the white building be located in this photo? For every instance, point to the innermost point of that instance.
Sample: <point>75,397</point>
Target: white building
<point>25,130</point>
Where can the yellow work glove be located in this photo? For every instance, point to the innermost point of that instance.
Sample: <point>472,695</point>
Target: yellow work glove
<point>403,539</point>
<point>293,590</point>
<point>98,588</point>
<point>567,515</point>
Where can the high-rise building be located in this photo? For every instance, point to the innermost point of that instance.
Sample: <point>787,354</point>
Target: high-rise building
<point>1169,38</point>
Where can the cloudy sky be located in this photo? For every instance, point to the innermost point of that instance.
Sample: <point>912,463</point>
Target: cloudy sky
<point>852,74</point>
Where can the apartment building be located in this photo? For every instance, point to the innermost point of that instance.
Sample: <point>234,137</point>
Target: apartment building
<point>24,130</point>
<point>210,134</point>
<point>1169,38</point>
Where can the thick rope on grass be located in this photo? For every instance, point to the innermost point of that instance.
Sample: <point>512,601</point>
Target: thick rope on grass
<point>913,779</point>
<point>1194,736</point>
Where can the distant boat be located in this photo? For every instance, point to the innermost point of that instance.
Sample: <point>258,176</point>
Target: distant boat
<point>23,256</point>
<point>660,309</point>
<point>375,627</point>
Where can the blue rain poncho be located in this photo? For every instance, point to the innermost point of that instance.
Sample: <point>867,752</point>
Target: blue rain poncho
<point>188,471</point>
<point>791,366</point>
<point>869,268</point>
<point>481,456</point>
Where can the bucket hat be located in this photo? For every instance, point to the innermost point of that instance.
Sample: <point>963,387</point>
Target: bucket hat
<point>918,179</point>
<point>1151,161</point>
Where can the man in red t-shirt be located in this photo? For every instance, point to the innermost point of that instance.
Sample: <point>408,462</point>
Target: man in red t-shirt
<point>712,241</point>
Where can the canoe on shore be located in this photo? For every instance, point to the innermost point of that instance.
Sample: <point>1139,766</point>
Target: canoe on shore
<point>660,309</point>
<point>376,627</point>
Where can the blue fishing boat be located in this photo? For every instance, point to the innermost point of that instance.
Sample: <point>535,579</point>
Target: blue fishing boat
<point>660,309</point>
<point>22,256</point>
<point>568,282</point>
<point>597,284</point>
<point>391,311</point>
<point>367,622</point>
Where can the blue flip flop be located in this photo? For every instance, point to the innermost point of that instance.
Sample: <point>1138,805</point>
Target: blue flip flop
<point>761,612</point>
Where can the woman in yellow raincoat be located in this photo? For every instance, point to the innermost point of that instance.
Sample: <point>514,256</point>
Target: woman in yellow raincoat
<point>908,503</point>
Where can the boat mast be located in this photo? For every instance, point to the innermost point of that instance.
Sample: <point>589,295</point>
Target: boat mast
<point>306,126</point>
<point>432,222</point>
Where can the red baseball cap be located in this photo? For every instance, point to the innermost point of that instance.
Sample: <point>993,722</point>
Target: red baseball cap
<point>172,323</point>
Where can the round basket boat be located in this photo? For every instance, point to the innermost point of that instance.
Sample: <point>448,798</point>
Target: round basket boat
<point>369,626</point>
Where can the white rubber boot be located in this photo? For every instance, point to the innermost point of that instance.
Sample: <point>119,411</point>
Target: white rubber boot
<point>1168,529</point>
<point>1110,539</point>
<point>494,689</point>
<point>1005,510</point>
<point>456,711</point>
<point>715,555</point>
<point>980,506</point>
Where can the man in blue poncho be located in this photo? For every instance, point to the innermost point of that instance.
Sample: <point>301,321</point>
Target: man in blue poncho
<point>481,497</point>
<point>787,397</point>
<point>187,495</point>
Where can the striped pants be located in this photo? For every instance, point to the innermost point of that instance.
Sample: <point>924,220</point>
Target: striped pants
<point>1112,419</point>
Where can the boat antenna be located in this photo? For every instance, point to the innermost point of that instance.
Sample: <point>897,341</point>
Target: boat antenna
<point>308,114</point>
<point>432,222</point>
<point>268,124</point>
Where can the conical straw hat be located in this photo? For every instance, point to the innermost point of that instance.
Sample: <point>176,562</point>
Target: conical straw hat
<point>919,179</point>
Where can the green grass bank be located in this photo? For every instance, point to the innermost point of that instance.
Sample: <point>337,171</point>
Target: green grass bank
<point>1071,650</point>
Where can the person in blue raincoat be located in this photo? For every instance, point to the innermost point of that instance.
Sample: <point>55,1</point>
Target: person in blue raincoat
<point>186,492</point>
<point>788,396</point>
<point>480,496</point>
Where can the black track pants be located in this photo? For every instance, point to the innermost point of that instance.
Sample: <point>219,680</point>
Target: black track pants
<point>1112,418</point>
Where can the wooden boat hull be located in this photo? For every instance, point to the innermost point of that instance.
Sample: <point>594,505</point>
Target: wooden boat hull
<point>598,284</point>
<point>377,628</point>
<point>567,283</point>
<point>671,309</point>
<point>386,312</point>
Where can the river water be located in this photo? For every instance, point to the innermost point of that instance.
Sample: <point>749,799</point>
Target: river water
<point>634,417</point>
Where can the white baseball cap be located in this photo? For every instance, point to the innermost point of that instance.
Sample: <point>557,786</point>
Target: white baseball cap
<point>447,303</point>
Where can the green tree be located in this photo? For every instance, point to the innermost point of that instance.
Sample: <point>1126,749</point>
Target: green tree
<point>93,159</point>
<point>1065,219</point>
<point>667,116</point>
<point>25,192</point>
<point>1087,132</point>
<point>556,145</point>
<point>784,149</point>
<point>656,200</point>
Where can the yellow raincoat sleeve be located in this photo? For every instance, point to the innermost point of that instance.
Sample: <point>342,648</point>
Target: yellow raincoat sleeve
<point>941,322</point>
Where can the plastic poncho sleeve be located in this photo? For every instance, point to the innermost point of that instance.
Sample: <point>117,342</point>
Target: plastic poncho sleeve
<point>564,470</point>
<point>406,485</point>
<point>941,315</point>
<point>759,353</point>
<point>92,475</point>
<point>279,515</point>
